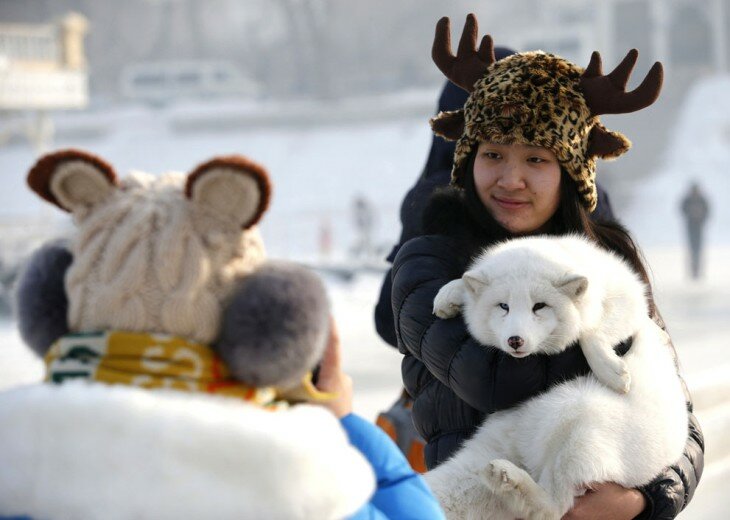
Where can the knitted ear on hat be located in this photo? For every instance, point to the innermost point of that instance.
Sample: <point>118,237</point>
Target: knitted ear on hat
<point>449,125</point>
<point>72,179</point>
<point>233,187</point>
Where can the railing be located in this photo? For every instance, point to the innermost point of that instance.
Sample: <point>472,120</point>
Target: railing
<point>42,67</point>
<point>31,45</point>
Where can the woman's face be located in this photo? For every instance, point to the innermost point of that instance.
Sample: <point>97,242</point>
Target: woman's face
<point>518,184</point>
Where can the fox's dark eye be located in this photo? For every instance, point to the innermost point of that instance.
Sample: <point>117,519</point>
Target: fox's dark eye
<point>538,306</point>
<point>504,307</point>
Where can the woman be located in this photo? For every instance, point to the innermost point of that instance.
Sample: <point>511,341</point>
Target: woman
<point>528,139</point>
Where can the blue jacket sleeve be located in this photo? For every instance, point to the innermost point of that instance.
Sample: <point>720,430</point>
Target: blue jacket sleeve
<point>401,493</point>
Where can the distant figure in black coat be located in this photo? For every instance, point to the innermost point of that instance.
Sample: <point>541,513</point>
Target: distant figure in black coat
<point>695,210</point>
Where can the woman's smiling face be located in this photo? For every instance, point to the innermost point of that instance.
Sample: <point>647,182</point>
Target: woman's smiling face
<point>518,184</point>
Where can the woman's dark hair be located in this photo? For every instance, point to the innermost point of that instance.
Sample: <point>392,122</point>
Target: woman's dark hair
<point>573,217</point>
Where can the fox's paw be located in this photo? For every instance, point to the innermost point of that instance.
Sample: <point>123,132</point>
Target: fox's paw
<point>449,300</point>
<point>503,477</point>
<point>518,492</point>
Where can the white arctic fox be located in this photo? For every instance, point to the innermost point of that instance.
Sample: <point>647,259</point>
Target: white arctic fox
<point>541,295</point>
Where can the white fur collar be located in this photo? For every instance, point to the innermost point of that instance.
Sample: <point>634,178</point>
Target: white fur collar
<point>85,450</point>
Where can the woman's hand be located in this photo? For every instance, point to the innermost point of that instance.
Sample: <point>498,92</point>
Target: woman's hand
<point>332,378</point>
<point>607,501</point>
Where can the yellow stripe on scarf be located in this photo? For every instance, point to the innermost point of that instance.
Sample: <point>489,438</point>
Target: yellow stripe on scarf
<point>147,361</point>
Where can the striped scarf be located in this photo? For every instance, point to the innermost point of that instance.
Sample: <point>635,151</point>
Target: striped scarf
<point>160,361</point>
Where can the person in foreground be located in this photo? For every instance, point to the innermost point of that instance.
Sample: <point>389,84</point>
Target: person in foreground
<point>179,363</point>
<point>401,493</point>
<point>527,143</point>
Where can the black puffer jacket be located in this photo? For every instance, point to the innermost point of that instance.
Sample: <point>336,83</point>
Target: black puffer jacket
<point>456,382</point>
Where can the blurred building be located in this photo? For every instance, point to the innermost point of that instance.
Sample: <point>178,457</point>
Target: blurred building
<point>161,82</point>
<point>686,35</point>
<point>42,67</point>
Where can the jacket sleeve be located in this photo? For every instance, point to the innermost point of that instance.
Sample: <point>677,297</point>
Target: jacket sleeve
<point>401,493</point>
<point>484,377</point>
<point>384,313</point>
<point>411,216</point>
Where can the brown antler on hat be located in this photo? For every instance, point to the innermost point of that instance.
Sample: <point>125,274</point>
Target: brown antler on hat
<point>469,64</point>
<point>607,95</point>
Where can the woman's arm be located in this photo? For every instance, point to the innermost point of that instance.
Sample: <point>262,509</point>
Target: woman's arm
<point>485,378</point>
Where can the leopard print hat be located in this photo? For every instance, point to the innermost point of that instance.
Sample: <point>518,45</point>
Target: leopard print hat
<point>537,99</point>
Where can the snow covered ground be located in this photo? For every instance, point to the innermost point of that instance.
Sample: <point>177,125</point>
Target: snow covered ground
<point>316,172</point>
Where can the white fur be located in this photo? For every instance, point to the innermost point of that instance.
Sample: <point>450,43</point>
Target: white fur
<point>92,451</point>
<point>530,462</point>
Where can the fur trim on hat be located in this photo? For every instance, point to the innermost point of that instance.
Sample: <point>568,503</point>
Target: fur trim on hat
<point>94,451</point>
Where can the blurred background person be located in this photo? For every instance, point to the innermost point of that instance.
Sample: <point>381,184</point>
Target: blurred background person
<point>695,210</point>
<point>363,219</point>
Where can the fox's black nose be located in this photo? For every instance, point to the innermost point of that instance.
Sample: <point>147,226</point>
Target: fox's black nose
<point>515,342</point>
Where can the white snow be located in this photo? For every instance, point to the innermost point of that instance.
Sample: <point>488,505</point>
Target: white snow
<point>316,171</point>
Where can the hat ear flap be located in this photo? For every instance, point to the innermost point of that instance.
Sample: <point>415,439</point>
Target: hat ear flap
<point>606,144</point>
<point>232,187</point>
<point>72,179</point>
<point>449,125</point>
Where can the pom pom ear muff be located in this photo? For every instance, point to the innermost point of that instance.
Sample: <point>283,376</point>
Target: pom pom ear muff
<point>72,179</point>
<point>233,186</point>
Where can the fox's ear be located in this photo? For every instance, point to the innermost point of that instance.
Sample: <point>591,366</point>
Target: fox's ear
<point>475,281</point>
<point>573,286</point>
<point>72,179</point>
<point>233,187</point>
